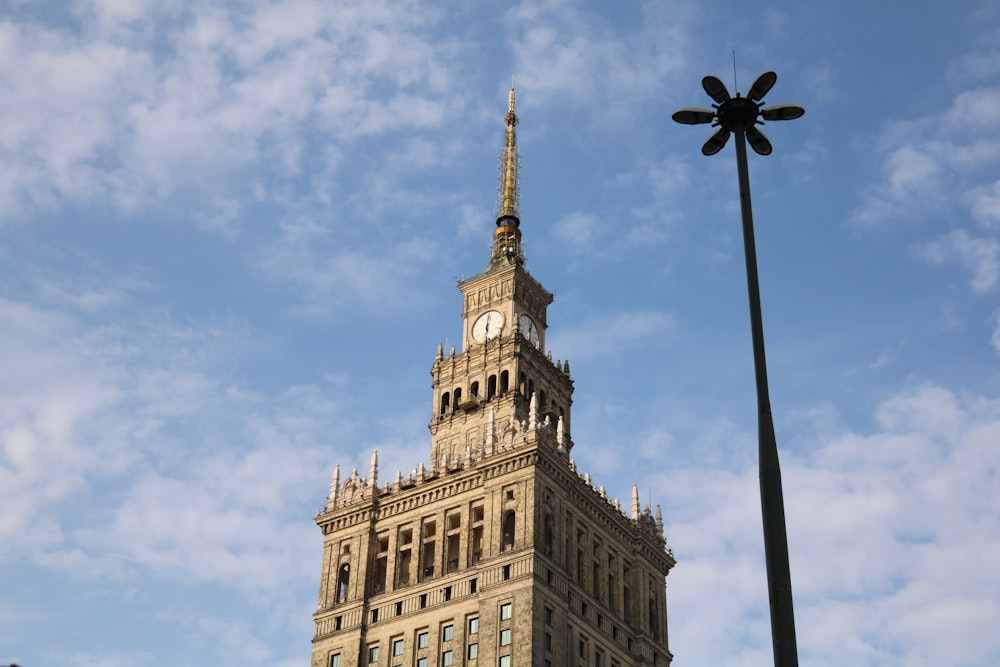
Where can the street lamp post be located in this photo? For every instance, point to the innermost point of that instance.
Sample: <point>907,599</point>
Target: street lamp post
<point>739,116</point>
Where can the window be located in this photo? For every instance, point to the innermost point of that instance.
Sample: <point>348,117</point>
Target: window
<point>335,660</point>
<point>505,661</point>
<point>547,614</point>
<point>422,662</point>
<point>505,637</point>
<point>548,663</point>
<point>448,633</point>
<point>422,640</point>
<point>343,579</point>
<point>473,651</point>
<point>446,659</point>
<point>505,610</point>
<point>373,653</point>
<point>398,646</point>
<point>473,626</point>
<point>547,642</point>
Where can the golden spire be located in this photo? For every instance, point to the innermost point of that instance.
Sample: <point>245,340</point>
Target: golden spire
<point>507,237</point>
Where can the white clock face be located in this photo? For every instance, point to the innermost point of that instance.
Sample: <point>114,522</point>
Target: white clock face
<point>488,326</point>
<point>528,329</point>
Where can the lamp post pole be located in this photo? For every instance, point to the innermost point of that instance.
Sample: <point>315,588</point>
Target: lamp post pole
<point>772,504</point>
<point>739,116</point>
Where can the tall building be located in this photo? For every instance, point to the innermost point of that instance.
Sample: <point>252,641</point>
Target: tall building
<point>499,553</point>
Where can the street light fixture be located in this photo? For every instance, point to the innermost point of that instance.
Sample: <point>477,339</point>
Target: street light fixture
<point>739,116</point>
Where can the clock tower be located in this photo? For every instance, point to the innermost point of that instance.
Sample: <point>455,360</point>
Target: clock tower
<point>503,378</point>
<point>499,553</point>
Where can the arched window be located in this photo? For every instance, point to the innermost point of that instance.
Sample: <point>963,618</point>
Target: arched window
<point>522,384</point>
<point>531,388</point>
<point>474,390</point>
<point>491,387</point>
<point>507,532</point>
<point>458,397</point>
<point>343,579</point>
<point>542,405</point>
<point>445,402</point>
<point>504,382</point>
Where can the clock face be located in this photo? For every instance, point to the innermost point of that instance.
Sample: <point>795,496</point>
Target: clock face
<point>488,326</point>
<point>528,329</point>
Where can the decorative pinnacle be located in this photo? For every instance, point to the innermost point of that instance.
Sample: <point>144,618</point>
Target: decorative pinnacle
<point>507,237</point>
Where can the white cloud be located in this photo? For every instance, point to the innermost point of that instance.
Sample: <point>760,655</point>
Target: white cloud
<point>979,256</point>
<point>985,205</point>
<point>891,535</point>
<point>926,161</point>
<point>105,114</point>
<point>574,56</point>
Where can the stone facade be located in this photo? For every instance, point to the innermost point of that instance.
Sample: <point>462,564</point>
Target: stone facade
<point>499,553</point>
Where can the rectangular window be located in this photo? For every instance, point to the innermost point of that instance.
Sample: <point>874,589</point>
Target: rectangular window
<point>398,646</point>
<point>446,659</point>
<point>373,654</point>
<point>473,626</point>
<point>547,642</point>
<point>422,640</point>
<point>547,614</point>
<point>505,661</point>
<point>505,637</point>
<point>548,663</point>
<point>422,662</point>
<point>448,633</point>
<point>505,610</point>
<point>473,651</point>
<point>335,660</point>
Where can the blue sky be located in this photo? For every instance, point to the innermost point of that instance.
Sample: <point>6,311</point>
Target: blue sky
<point>229,239</point>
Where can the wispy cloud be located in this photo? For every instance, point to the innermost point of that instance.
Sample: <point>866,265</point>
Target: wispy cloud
<point>978,256</point>
<point>592,337</point>
<point>107,115</point>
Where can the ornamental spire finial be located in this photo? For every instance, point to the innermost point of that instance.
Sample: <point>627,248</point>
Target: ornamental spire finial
<point>507,238</point>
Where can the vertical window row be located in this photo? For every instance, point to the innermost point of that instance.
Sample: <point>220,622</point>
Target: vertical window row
<point>505,632</point>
